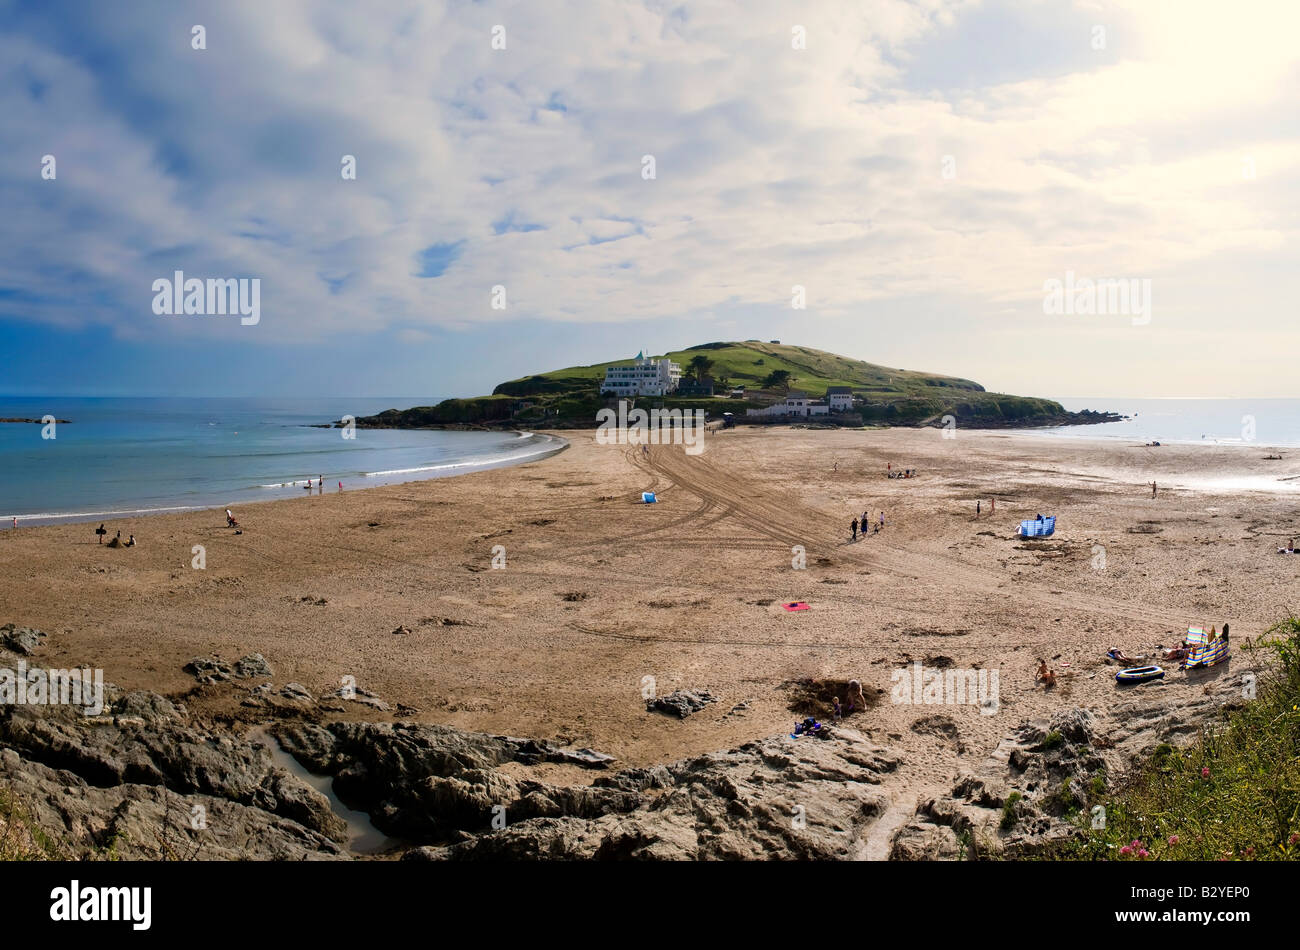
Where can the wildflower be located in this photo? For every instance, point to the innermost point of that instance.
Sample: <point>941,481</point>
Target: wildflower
<point>1294,839</point>
<point>1173,839</point>
<point>1126,850</point>
<point>1205,772</point>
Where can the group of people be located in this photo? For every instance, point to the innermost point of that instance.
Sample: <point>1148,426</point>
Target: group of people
<point>855,525</point>
<point>117,541</point>
<point>901,473</point>
<point>1180,653</point>
<point>1046,676</point>
<point>854,702</point>
<point>1185,646</point>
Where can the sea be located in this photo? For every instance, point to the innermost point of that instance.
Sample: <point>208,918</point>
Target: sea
<point>118,457</point>
<point>1262,422</point>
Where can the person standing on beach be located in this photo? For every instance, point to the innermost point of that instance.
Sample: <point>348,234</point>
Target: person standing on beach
<point>101,531</point>
<point>853,526</point>
<point>882,519</point>
<point>1153,489</point>
<point>977,509</point>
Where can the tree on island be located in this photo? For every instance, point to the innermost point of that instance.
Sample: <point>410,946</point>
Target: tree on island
<point>699,367</point>
<point>778,379</point>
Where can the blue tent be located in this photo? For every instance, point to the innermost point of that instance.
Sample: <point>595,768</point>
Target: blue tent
<point>1037,527</point>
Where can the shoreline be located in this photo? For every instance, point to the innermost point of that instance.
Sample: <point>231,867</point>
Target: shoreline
<point>47,519</point>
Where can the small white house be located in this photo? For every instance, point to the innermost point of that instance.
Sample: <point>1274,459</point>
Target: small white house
<point>794,404</point>
<point>839,398</point>
<point>645,377</point>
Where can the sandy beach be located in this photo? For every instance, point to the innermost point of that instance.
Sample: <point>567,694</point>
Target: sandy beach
<point>599,592</point>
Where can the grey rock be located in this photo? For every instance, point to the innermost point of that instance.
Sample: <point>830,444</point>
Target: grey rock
<point>209,670</point>
<point>681,703</point>
<point>151,754</point>
<point>22,640</point>
<point>252,666</point>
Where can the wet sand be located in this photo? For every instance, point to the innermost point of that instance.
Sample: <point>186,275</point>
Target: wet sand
<point>599,592</point>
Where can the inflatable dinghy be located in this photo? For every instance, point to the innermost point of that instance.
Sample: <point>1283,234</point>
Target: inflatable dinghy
<point>1139,674</point>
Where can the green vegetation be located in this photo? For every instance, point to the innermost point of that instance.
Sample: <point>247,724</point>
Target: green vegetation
<point>1009,818</point>
<point>1233,795</point>
<point>20,838</point>
<point>571,396</point>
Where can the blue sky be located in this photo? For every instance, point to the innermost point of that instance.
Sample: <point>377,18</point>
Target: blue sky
<point>920,168</point>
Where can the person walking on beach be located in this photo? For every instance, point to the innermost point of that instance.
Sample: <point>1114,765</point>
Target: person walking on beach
<point>1153,489</point>
<point>882,519</point>
<point>977,509</point>
<point>853,526</point>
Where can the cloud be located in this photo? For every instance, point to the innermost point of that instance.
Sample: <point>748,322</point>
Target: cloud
<point>523,166</point>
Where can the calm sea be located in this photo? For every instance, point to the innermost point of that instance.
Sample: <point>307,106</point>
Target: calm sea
<point>1264,422</point>
<point>121,456</point>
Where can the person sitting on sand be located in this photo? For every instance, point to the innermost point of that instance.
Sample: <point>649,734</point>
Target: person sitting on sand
<point>1042,669</point>
<point>1050,679</point>
<point>1176,653</point>
<point>130,543</point>
<point>836,712</point>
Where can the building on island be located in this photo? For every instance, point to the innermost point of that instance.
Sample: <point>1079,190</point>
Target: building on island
<point>645,377</point>
<point>839,398</point>
<point>696,387</point>
<point>795,404</point>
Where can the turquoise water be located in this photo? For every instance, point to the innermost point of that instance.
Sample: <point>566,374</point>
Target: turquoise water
<point>1276,422</point>
<point>129,456</point>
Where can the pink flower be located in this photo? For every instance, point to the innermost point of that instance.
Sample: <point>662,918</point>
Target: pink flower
<point>1144,853</point>
<point>1126,850</point>
<point>1173,839</point>
<point>1205,773</point>
<point>1294,839</point>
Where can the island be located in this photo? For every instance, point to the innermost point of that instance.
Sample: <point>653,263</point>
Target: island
<point>757,383</point>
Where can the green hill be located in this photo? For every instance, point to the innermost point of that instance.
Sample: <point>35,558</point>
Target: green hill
<point>571,397</point>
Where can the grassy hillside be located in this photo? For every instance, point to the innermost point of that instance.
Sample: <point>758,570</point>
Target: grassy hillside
<point>748,364</point>
<point>571,397</point>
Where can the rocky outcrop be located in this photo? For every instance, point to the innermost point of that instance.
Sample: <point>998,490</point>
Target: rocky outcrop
<point>21,640</point>
<point>430,782</point>
<point>144,781</point>
<point>681,703</point>
<point>1036,787</point>
<point>781,798</point>
<point>211,669</point>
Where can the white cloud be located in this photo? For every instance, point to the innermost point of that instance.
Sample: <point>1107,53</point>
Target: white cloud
<point>774,166</point>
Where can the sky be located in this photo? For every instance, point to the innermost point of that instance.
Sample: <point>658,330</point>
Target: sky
<point>548,184</point>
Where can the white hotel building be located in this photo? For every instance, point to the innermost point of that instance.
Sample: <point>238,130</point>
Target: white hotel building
<point>645,377</point>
